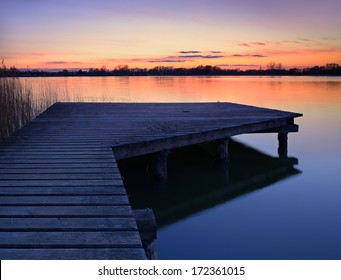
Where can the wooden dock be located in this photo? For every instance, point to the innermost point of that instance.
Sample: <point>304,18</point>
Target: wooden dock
<point>61,193</point>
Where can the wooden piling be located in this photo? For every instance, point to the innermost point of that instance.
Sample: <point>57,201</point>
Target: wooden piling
<point>282,144</point>
<point>146,225</point>
<point>222,152</point>
<point>160,165</point>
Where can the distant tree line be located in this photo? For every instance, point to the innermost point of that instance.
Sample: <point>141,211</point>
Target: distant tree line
<point>272,69</point>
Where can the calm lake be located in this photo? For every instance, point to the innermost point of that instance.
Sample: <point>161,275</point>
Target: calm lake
<point>258,207</point>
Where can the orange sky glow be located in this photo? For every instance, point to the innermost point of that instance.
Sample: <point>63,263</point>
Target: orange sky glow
<point>231,34</point>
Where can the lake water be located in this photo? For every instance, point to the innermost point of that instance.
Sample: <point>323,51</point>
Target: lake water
<point>295,214</point>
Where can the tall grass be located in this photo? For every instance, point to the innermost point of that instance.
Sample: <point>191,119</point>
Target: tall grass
<point>18,102</point>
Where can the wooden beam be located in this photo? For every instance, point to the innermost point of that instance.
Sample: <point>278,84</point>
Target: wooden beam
<point>165,143</point>
<point>281,129</point>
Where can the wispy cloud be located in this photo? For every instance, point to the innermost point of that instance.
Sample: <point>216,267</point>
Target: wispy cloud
<point>185,52</point>
<point>201,56</point>
<point>167,60</point>
<point>61,62</point>
<point>237,65</point>
<point>330,38</point>
<point>250,44</point>
<point>244,44</point>
<point>259,43</point>
<point>306,40</point>
<point>248,55</point>
<point>197,52</point>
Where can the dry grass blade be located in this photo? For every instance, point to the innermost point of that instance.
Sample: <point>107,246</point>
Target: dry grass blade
<point>17,105</point>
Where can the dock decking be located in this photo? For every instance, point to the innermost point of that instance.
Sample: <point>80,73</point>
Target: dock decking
<point>61,193</point>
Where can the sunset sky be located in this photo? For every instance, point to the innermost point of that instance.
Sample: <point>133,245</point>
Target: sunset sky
<point>187,33</point>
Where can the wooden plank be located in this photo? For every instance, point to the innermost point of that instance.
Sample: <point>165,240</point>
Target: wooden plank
<point>71,170</point>
<point>65,211</point>
<point>63,200</point>
<point>49,165</point>
<point>67,224</point>
<point>114,239</point>
<point>65,161</point>
<point>58,176</point>
<point>55,183</point>
<point>66,191</point>
<point>73,254</point>
<point>54,157</point>
<point>53,154</point>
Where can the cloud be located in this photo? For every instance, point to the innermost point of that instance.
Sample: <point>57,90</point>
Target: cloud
<point>306,40</point>
<point>237,65</point>
<point>187,56</point>
<point>167,60</point>
<point>185,52</point>
<point>250,44</point>
<point>244,45</point>
<point>201,56</point>
<point>248,55</point>
<point>258,43</point>
<point>258,55</point>
<point>62,62</point>
<point>56,62</point>
<point>330,38</point>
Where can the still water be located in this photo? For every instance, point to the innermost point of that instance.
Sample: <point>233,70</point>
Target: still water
<point>258,207</point>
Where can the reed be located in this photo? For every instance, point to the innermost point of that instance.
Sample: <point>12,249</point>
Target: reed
<point>18,103</point>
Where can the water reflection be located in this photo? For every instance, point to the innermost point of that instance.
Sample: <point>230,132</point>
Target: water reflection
<point>196,182</point>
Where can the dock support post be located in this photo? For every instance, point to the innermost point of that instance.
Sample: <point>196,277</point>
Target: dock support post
<point>146,225</point>
<point>222,153</point>
<point>160,165</point>
<point>282,144</point>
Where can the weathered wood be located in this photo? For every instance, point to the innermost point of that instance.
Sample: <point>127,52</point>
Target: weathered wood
<point>52,157</point>
<point>65,211</point>
<point>282,145</point>
<point>41,239</point>
<point>160,165</point>
<point>65,191</point>
<point>58,176</point>
<point>166,143</point>
<point>222,152</point>
<point>66,165</point>
<point>65,182</point>
<point>146,225</point>
<point>64,200</point>
<point>58,171</point>
<point>282,129</point>
<point>73,254</point>
<point>68,224</point>
<point>61,193</point>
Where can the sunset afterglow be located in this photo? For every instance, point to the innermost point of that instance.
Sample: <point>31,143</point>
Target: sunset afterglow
<point>232,34</point>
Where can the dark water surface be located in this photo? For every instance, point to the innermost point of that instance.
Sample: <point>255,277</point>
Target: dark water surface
<point>258,207</point>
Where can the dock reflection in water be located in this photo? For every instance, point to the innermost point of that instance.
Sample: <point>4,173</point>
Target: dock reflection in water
<point>196,182</point>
